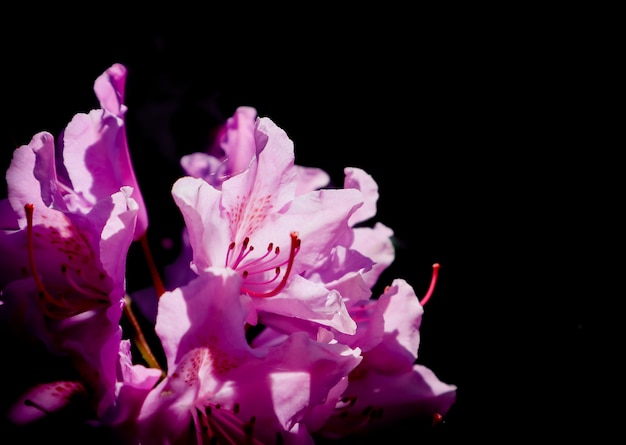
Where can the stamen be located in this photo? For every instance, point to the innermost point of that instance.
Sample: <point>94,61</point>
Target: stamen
<point>246,274</point>
<point>223,426</point>
<point>269,267</point>
<point>29,209</point>
<point>231,247</point>
<point>88,291</point>
<point>243,252</point>
<point>49,311</point>
<point>216,430</point>
<point>295,247</point>
<point>433,281</point>
<point>57,306</point>
<point>270,247</point>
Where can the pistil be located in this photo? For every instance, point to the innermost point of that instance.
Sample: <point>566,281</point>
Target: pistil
<point>433,281</point>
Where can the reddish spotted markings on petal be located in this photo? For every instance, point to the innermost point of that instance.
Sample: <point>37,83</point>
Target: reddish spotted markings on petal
<point>58,305</point>
<point>252,268</point>
<point>46,399</point>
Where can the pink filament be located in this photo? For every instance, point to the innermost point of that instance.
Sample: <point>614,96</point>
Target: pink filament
<point>295,246</point>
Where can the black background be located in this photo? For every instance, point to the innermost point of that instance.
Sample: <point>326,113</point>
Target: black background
<point>484,130</point>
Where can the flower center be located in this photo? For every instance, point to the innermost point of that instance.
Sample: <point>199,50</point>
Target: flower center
<point>261,272</point>
<point>82,288</point>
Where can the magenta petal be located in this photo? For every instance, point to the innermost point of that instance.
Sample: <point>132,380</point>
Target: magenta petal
<point>109,87</point>
<point>358,179</point>
<point>238,140</point>
<point>95,147</point>
<point>403,315</point>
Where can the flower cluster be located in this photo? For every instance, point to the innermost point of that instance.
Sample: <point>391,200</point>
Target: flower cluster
<point>268,325</point>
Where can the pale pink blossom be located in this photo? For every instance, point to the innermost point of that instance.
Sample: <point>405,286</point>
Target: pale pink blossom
<point>256,224</point>
<point>389,386</point>
<point>223,388</point>
<point>68,222</point>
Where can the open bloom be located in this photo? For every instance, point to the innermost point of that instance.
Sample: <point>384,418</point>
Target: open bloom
<point>388,387</point>
<point>256,224</point>
<point>227,391</point>
<point>83,199</point>
<point>271,333</point>
<point>238,143</point>
<point>231,153</point>
<point>68,221</point>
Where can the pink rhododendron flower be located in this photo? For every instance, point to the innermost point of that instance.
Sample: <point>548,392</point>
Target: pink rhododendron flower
<point>230,392</point>
<point>232,152</point>
<point>269,331</point>
<point>73,247</point>
<point>388,386</point>
<point>257,225</point>
<point>236,146</point>
<point>68,226</point>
